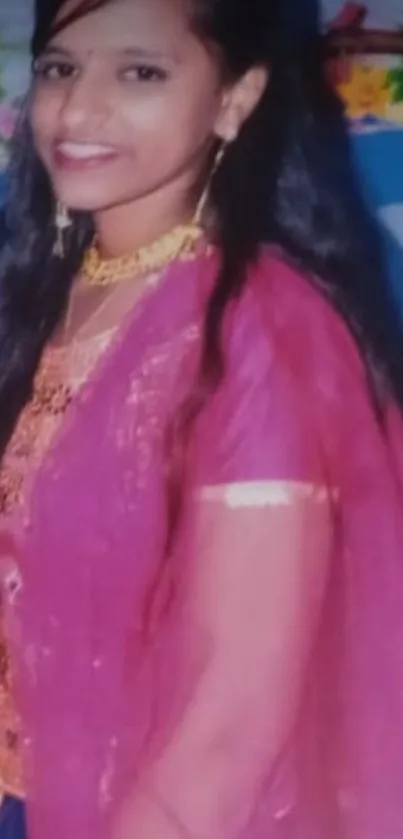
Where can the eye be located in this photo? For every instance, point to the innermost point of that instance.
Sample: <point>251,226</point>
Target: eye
<point>143,73</point>
<point>53,70</point>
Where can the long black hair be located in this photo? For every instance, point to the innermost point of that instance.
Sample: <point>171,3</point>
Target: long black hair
<point>287,179</point>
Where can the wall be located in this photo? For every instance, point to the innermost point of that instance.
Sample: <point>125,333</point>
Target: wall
<point>372,88</point>
<point>15,28</point>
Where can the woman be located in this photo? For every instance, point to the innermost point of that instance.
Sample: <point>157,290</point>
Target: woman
<point>201,517</point>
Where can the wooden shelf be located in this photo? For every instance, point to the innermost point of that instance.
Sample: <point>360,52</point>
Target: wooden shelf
<point>364,42</point>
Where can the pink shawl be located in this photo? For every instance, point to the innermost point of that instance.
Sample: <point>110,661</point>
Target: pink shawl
<point>288,449</point>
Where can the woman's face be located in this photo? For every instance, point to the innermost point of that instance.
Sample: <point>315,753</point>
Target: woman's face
<point>125,102</point>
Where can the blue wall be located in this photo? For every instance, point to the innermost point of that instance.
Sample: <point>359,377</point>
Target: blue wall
<point>2,188</point>
<point>379,160</point>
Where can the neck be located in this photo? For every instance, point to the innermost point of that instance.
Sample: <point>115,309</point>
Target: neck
<point>127,227</point>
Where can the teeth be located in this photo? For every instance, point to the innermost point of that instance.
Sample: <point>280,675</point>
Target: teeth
<point>82,151</point>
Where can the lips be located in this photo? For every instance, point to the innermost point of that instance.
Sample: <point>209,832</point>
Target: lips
<point>70,154</point>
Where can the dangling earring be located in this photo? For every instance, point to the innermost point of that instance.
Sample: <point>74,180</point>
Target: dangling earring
<point>201,206</point>
<point>62,223</point>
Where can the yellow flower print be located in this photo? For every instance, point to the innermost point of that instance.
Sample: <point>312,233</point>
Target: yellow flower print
<point>367,92</point>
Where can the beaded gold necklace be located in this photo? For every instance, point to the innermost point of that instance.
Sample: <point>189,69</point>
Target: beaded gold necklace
<point>179,243</point>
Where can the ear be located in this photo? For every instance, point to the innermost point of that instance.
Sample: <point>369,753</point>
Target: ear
<point>239,102</point>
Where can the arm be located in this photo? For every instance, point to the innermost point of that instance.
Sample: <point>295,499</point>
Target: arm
<point>256,599</point>
<point>255,575</point>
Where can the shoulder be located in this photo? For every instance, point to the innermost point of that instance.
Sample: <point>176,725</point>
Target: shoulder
<point>273,406</point>
<point>285,318</point>
<point>291,356</point>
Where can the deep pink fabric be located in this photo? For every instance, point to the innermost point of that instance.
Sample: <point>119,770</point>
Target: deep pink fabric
<point>98,701</point>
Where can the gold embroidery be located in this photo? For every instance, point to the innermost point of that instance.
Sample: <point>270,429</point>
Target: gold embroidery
<point>10,490</point>
<point>55,385</point>
<point>267,493</point>
<point>60,376</point>
<point>11,781</point>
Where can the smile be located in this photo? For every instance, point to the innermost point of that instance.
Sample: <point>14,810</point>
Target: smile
<point>68,153</point>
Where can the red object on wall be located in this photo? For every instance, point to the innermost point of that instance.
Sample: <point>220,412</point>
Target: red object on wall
<point>351,16</point>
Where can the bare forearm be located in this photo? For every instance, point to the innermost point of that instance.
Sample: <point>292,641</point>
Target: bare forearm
<point>197,793</point>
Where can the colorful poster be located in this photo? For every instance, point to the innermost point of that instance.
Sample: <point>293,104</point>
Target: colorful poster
<point>380,14</point>
<point>367,65</point>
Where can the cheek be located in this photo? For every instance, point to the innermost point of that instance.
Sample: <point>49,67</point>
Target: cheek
<point>43,115</point>
<point>159,126</point>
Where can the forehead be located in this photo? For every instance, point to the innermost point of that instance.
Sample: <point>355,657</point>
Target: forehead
<point>154,25</point>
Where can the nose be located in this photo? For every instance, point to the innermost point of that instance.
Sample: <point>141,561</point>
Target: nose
<point>85,107</point>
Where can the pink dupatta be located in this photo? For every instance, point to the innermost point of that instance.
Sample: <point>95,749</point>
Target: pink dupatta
<point>301,650</point>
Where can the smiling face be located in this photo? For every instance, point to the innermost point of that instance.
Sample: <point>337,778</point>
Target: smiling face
<point>126,102</point>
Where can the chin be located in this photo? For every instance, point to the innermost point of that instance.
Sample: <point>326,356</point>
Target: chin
<point>84,203</point>
<point>86,194</point>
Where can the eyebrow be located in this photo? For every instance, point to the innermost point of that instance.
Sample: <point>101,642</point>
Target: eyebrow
<point>139,52</point>
<point>55,50</point>
<point>128,52</point>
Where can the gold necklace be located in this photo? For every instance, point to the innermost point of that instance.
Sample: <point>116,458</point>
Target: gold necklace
<point>180,243</point>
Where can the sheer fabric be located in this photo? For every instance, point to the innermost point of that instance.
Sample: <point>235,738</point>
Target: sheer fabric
<point>268,701</point>
<point>92,320</point>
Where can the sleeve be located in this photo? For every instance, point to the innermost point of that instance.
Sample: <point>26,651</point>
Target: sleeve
<point>257,556</point>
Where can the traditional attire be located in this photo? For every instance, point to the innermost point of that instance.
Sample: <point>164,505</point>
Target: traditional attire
<point>289,447</point>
